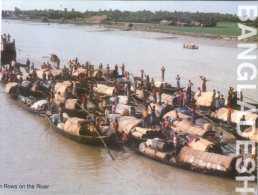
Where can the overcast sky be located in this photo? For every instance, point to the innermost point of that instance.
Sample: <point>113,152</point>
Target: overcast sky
<point>82,5</point>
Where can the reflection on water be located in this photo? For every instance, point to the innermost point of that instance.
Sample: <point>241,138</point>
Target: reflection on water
<point>31,152</point>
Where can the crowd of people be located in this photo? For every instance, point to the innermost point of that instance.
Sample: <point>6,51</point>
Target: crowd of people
<point>83,89</point>
<point>6,38</point>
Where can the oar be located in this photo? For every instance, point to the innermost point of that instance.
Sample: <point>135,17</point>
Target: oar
<point>108,151</point>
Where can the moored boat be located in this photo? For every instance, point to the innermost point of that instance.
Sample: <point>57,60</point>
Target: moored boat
<point>194,160</point>
<point>95,139</point>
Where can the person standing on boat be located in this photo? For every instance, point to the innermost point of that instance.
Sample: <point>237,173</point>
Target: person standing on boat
<point>34,73</point>
<point>229,112</point>
<point>116,68</point>
<point>189,92</point>
<point>100,66</point>
<point>13,64</point>
<point>107,113</point>
<point>113,108</point>
<point>115,125</point>
<point>221,139</point>
<point>142,72</point>
<point>242,123</point>
<point>199,92</point>
<point>152,82</point>
<point>213,99</point>
<point>161,88</point>
<point>84,102</point>
<point>181,98</point>
<point>145,96</point>
<point>154,94</point>
<point>230,98</point>
<point>241,97</point>
<point>162,73</point>
<point>222,101</point>
<point>44,76</point>
<point>128,94</point>
<point>193,115</point>
<point>123,69</point>
<point>217,102</point>
<point>28,64</point>
<point>91,93</point>
<point>108,69</point>
<point>204,80</point>
<point>9,38</point>
<point>147,80</point>
<point>178,81</point>
<point>97,124</point>
<point>116,100</point>
<point>61,115</point>
<point>166,128</point>
<point>153,117</point>
<point>175,141</point>
<point>145,117</point>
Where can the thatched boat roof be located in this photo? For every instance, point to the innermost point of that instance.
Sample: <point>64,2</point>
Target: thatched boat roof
<point>204,160</point>
<point>128,123</point>
<point>189,128</point>
<point>221,114</point>
<point>205,100</point>
<point>104,89</point>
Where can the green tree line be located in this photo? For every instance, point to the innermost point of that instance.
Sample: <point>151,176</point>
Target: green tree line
<point>144,16</point>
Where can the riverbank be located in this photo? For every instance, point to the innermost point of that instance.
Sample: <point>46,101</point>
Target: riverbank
<point>223,30</point>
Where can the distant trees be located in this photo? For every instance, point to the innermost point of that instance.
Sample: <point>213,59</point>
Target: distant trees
<point>144,16</point>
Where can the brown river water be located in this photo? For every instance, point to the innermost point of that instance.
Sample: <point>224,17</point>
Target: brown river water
<point>32,153</point>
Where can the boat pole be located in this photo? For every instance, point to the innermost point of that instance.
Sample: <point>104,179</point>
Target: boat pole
<point>105,145</point>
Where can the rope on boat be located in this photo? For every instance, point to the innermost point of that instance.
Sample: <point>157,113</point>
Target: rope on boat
<point>251,99</point>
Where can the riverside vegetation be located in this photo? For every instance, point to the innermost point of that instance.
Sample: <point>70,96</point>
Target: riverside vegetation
<point>212,25</point>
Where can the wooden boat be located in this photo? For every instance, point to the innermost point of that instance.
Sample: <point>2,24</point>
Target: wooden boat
<point>190,46</point>
<point>223,124</point>
<point>85,139</point>
<point>27,107</point>
<point>194,163</point>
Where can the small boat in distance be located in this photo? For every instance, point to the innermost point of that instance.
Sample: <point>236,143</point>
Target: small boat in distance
<point>190,46</point>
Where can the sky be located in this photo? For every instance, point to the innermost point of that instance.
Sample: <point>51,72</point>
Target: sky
<point>82,5</point>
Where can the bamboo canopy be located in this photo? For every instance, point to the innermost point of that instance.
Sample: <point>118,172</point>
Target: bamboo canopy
<point>205,100</point>
<point>200,144</point>
<point>221,114</point>
<point>204,160</point>
<point>189,128</point>
<point>55,72</point>
<point>104,90</point>
<point>73,125</point>
<point>79,71</point>
<point>172,114</point>
<point>128,123</point>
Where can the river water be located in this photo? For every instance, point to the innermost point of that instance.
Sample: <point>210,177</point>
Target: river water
<point>31,153</point>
